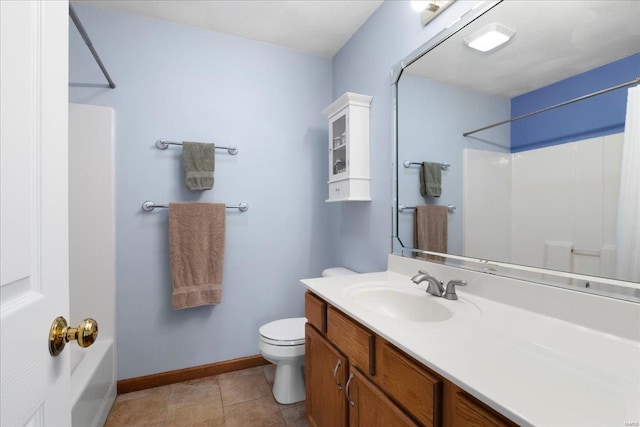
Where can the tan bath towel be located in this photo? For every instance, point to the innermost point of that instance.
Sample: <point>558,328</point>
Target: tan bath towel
<point>430,231</point>
<point>196,249</point>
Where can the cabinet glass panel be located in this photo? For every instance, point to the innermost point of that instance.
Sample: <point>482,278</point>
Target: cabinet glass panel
<point>339,146</point>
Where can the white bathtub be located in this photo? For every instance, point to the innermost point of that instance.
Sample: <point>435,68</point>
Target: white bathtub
<point>93,387</point>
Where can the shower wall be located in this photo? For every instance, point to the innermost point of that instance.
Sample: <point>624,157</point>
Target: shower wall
<point>92,273</point>
<point>91,217</point>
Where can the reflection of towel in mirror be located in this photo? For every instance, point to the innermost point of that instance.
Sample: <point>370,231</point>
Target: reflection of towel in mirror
<point>196,252</point>
<point>198,160</point>
<point>430,231</point>
<point>430,179</point>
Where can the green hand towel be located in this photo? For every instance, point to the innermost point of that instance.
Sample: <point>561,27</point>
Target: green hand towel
<point>430,179</point>
<point>198,160</point>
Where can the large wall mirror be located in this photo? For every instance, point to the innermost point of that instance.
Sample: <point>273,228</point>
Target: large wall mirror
<point>525,144</point>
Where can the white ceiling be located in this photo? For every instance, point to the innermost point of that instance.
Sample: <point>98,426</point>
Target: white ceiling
<point>554,40</point>
<point>314,26</point>
<point>575,35</point>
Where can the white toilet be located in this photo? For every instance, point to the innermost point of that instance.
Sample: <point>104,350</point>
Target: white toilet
<point>282,343</point>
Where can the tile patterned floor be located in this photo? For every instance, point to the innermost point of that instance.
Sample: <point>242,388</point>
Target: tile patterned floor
<point>236,399</point>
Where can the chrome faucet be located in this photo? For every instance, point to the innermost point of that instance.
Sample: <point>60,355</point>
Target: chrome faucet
<point>435,286</point>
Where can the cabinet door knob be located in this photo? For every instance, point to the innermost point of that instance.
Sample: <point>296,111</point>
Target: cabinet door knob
<point>346,391</point>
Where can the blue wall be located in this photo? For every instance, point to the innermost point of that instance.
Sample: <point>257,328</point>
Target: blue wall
<point>183,83</point>
<point>362,231</point>
<point>597,116</point>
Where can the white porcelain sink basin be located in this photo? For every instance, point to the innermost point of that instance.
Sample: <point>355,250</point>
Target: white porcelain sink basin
<point>400,302</point>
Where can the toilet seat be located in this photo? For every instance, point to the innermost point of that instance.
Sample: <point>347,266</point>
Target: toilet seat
<point>288,343</point>
<point>284,332</point>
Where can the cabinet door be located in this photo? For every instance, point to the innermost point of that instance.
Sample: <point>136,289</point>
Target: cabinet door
<point>338,146</point>
<point>325,374</point>
<point>368,406</point>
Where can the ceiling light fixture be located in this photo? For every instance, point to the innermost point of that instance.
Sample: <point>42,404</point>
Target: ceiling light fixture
<point>489,37</point>
<point>430,9</point>
<point>419,6</point>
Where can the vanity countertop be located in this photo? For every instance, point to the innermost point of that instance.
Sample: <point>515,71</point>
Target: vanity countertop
<point>535,369</point>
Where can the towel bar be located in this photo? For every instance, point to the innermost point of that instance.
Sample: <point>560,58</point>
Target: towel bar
<point>585,252</point>
<point>163,144</point>
<point>407,163</point>
<point>402,208</point>
<point>149,206</point>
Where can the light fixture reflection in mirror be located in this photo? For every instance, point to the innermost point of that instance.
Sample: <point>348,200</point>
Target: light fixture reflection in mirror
<point>541,192</point>
<point>489,37</point>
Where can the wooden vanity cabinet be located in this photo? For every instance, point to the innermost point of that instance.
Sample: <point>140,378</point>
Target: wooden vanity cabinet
<point>333,400</point>
<point>386,387</point>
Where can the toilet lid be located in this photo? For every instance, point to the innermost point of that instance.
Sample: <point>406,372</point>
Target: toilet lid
<point>284,331</point>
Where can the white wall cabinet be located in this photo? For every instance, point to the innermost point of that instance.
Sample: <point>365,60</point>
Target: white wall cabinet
<point>349,178</point>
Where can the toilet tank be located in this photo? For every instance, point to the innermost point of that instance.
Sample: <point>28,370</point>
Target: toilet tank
<point>337,271</point>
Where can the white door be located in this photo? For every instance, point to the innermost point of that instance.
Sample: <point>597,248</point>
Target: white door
<point>34,259</point>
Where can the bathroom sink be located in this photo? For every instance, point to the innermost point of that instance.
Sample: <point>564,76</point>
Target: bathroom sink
<point>400,302</point>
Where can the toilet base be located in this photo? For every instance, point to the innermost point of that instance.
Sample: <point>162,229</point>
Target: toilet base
<point>288,386</point>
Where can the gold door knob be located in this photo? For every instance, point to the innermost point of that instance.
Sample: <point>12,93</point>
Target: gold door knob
<point>60,334</point>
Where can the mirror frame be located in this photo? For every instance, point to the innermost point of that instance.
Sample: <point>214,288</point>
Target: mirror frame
<point>515,271</point>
